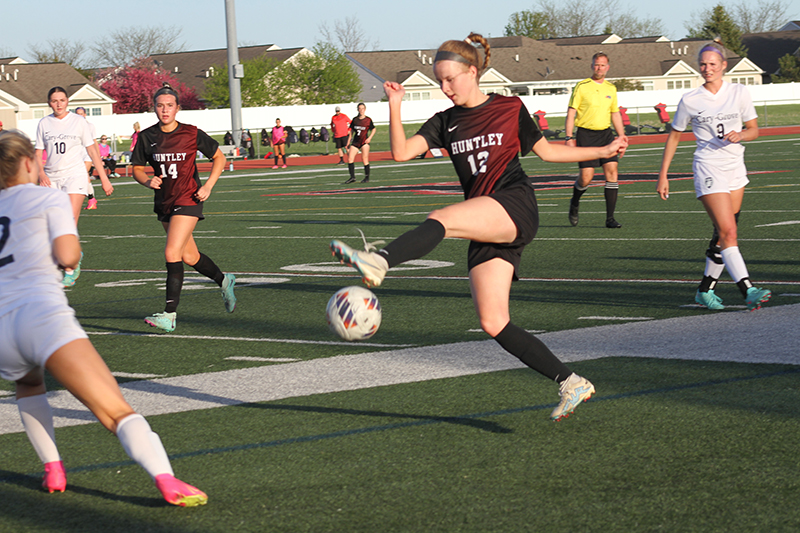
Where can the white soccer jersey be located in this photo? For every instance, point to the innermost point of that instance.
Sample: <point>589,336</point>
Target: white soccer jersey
<point>31,218</point>
<point>65,140</point>
<point>712,117</point>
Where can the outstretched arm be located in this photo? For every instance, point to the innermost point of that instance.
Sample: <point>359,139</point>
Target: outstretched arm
<point>564,153</point>
<point>402,149</point>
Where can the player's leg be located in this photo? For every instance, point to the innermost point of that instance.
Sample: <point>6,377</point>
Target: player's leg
<point>79,367</point>
<point>585,176</point>
<point>722,208</point>
<point>365,159</point>
<point>283,154</point>
<point>37,419</point>
<point>481,219</point>
<point>92,201</point>
<point>490,285</point>
<point>705,295</point>
<point>611,191</point>
<point>70,275</point>
<point>352,151</point>
<point>203,264</point>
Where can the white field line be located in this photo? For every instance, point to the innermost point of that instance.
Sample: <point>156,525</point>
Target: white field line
<point>248,339</point>
<point>769,335</point>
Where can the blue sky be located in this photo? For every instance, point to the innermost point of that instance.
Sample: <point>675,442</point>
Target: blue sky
<point>419,24</point>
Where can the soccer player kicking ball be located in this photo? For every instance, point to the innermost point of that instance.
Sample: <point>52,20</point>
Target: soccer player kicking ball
<point>484,135</point>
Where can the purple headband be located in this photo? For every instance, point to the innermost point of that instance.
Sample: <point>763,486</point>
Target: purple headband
<point>710,48</point>
<point>451,56</point>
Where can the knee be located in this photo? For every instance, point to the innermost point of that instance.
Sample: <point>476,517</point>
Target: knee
<point>727,237</point>
<point>493,325</point>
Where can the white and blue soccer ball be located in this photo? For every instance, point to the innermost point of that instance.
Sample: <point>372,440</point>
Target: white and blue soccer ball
<point>354,313</point>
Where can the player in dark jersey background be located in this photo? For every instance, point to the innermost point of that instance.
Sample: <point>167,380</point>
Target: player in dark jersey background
<point>170,148</point>
<point>362,130</point>
<point>484,136</point>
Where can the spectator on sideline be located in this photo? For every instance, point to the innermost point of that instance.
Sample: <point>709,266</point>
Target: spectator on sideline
<point>277,142</point>
<point>340,126</point>
<point>108,159</point>
<point>593,108</point>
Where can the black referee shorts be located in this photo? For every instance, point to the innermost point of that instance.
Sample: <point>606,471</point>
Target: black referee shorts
<point>586,137</point>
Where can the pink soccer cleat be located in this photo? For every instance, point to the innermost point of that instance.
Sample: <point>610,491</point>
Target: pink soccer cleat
<point>179,493</point>
<point>55,478</point>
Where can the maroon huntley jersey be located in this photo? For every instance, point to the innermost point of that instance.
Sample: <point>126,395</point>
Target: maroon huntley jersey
<point>172,156</point>
<point>484,142</point>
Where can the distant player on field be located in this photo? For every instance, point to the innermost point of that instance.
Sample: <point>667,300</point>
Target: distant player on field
<point>67,138</point>
<point>362,129</point>
<point>39,330</point>
<point>484,135</point>
<point>170,148</point>
<point>722,116</point>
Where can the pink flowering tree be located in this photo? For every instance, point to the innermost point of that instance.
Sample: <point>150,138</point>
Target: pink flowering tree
<point>134,85</point>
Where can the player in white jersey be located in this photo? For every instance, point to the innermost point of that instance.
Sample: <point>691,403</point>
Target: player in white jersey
<point>722,116</point>
<point>67,138</point>
<point>39,330</point>
<point>87,161</point>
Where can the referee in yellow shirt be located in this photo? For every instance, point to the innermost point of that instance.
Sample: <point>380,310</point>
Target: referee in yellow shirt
<point>593,109</point>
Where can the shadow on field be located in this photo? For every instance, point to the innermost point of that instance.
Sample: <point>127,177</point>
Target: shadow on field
<point>28,508</point>
<point>474,423</point>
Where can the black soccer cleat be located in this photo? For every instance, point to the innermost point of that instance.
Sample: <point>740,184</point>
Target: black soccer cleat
<point>611,223</point>
<point>573,214</point>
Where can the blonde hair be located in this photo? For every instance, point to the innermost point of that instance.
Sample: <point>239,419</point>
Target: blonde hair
<point>14,146</point>
<point>714,46</point>
<point>465,50</point>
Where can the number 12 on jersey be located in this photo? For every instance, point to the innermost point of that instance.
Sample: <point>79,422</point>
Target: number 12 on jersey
<point>480,168</point>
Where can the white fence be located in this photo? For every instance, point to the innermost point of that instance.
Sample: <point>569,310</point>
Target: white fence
<point>214,121</point>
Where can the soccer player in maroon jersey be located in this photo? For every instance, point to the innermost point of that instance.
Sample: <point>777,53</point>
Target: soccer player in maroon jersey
<point>362,129</point>
<point>170,148</point>
<point>484,135</point>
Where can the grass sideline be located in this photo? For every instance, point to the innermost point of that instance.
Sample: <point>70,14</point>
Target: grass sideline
<point>666,445</point>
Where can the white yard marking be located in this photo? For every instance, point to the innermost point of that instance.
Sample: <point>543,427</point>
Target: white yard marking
<point>615,318</point>
<point>264,359</point>
<point>249,339</point>
<point>770,336</point>
<point>136,376</point>
<point>787,223</point>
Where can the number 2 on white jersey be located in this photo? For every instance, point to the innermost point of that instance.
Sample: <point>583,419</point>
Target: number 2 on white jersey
<point>172,171</point>
<point>480,168</point>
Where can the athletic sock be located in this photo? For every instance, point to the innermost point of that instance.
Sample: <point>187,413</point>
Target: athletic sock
<point>351,167</point>
<point>611,192</point>
<point>414,244</point>
<point>532,352</point>
<point>711,275</point>
<point>37,418</point>
<point>577,192</point>
<point>734,263</point>
<point>143,445</point>
<point>366,171</point>
<point>276,160</point>
<point>174,286</point>
<point>209,269</point>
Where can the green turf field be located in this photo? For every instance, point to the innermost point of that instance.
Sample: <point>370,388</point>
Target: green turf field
<point>665,445</point>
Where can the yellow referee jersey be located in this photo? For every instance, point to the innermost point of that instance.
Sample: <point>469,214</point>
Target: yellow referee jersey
<point>594,103</point>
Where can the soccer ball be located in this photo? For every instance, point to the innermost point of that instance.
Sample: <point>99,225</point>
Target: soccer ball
<point>354,313</point>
